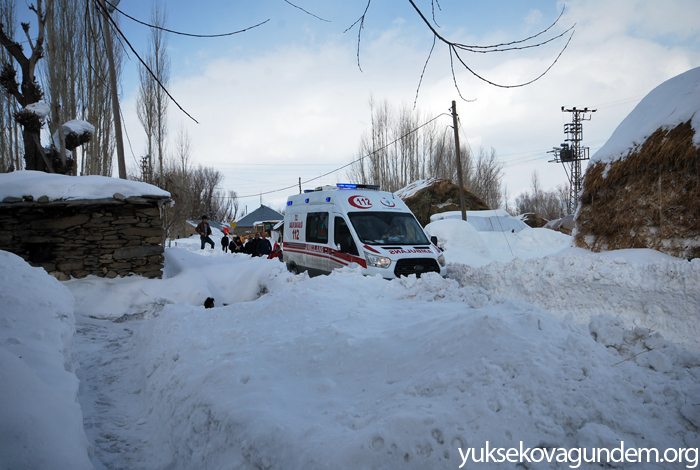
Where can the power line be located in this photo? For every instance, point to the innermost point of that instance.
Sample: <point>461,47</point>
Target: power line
<point>186,34</point>
<point>114,24</point>
<point>344,166</point>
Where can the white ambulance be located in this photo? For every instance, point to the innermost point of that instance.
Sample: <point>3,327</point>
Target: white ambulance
<point>331,227</point>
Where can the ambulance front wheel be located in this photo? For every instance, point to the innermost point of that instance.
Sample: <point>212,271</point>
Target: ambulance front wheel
<point>292,267</point>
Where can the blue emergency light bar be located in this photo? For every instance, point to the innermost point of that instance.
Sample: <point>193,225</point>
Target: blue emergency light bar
<point>357,186</point>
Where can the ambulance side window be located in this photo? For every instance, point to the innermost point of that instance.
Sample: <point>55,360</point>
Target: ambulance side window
<point>343,238</point>
<point>317,227</point>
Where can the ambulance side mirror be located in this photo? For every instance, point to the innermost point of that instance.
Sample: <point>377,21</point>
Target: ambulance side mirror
<point>434,240</point>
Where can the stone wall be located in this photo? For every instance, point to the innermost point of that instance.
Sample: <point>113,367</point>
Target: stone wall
<point>105,237</point>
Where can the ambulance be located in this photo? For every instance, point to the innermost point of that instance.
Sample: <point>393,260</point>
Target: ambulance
<point>331,227</point>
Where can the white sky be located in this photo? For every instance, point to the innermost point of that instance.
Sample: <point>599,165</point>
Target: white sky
<point>287,100</point>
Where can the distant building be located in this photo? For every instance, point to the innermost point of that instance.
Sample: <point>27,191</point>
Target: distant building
<point>259,215</point>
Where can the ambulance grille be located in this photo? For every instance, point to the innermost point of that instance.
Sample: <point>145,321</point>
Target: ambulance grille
<point>417,266</point>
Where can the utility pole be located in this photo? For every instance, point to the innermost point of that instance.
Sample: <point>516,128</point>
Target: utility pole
<point>459,162</point>
<point>113,86</point>
<point>147,169</point>
<point>573,153</point>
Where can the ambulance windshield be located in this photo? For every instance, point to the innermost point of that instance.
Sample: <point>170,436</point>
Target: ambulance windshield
<point>388,228</point>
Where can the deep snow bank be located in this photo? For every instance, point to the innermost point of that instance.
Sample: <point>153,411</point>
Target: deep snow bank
<point>643,288</point>
<point>188,277</point>
<point>346,371</point>
<point>465,244</point>
<point>41,424</point>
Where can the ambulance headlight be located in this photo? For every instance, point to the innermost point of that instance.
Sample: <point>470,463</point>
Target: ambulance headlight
<point>377,261</point>
<point>441,259</point>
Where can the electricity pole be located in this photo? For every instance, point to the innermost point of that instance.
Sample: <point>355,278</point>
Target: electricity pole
<point>459,162</point>
<point>573,153</point>
<point>113,86</point>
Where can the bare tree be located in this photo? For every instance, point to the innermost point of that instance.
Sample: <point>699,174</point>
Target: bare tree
<point>486,179</point>
<point>195,191</point>
<point>152,101</point>
<point>547,204</point>
<point>11,152</point>
<point>27,91</point>
<point>97,95</point>
<point>399,149</point>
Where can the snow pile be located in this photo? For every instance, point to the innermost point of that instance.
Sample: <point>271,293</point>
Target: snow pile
<point>674,102</point>
<point>460,241</point>
<point>347,371</point>
<point>464,244</point>
<point>41,423</point>
<point>643,288</point>
<point>65,187</point>
<point>413,188</point>
<point>188,277</point>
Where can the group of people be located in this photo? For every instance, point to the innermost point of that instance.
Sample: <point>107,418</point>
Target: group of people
<point>256,246</point>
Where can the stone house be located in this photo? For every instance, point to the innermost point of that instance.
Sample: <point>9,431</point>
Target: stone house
<point>75,226</point>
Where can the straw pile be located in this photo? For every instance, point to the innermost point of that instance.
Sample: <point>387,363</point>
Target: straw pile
<point>649,199</point>
<point>441,196</point>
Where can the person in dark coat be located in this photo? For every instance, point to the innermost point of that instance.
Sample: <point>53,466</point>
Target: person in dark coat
<point>224,243</point>
<point>264,248</point>
<point>235,246</point>
<point>251,246</point>
<point>204,230</point>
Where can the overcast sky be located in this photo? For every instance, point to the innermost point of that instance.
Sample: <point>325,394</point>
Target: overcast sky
<point>287,99</point>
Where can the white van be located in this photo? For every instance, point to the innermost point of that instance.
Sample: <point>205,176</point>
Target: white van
<point>329,228</point>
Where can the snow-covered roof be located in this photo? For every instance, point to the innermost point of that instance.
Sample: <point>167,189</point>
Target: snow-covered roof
<point>64,187</point>
<point>263,213</point>
<point>496,220</point>
<point>672,103</point>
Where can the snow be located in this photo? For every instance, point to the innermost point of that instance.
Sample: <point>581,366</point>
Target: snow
<point>527,340</point>
<point>674,102</point>
<point>497,220</point>
<point>65,187</point>
<point>41,109</point>
<point>413,188</point>
<point>76,125</point>
<point>41,422</point>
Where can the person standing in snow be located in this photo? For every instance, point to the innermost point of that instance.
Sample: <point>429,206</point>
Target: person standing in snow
<point>264,248</point>
<point>236,246</point>
<point>204,230</point>
<point>224,243</point>
<point>251,245</point>
<point>276,253</point>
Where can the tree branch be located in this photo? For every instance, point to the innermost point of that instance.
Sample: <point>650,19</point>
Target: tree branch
<point>310,14</point>
<point>360,20</point>
<point>455,48</point>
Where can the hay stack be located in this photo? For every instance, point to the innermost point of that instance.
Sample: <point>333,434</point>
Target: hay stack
<point>533,220</point>
<point>650,197</point>
<point>440,195</point>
